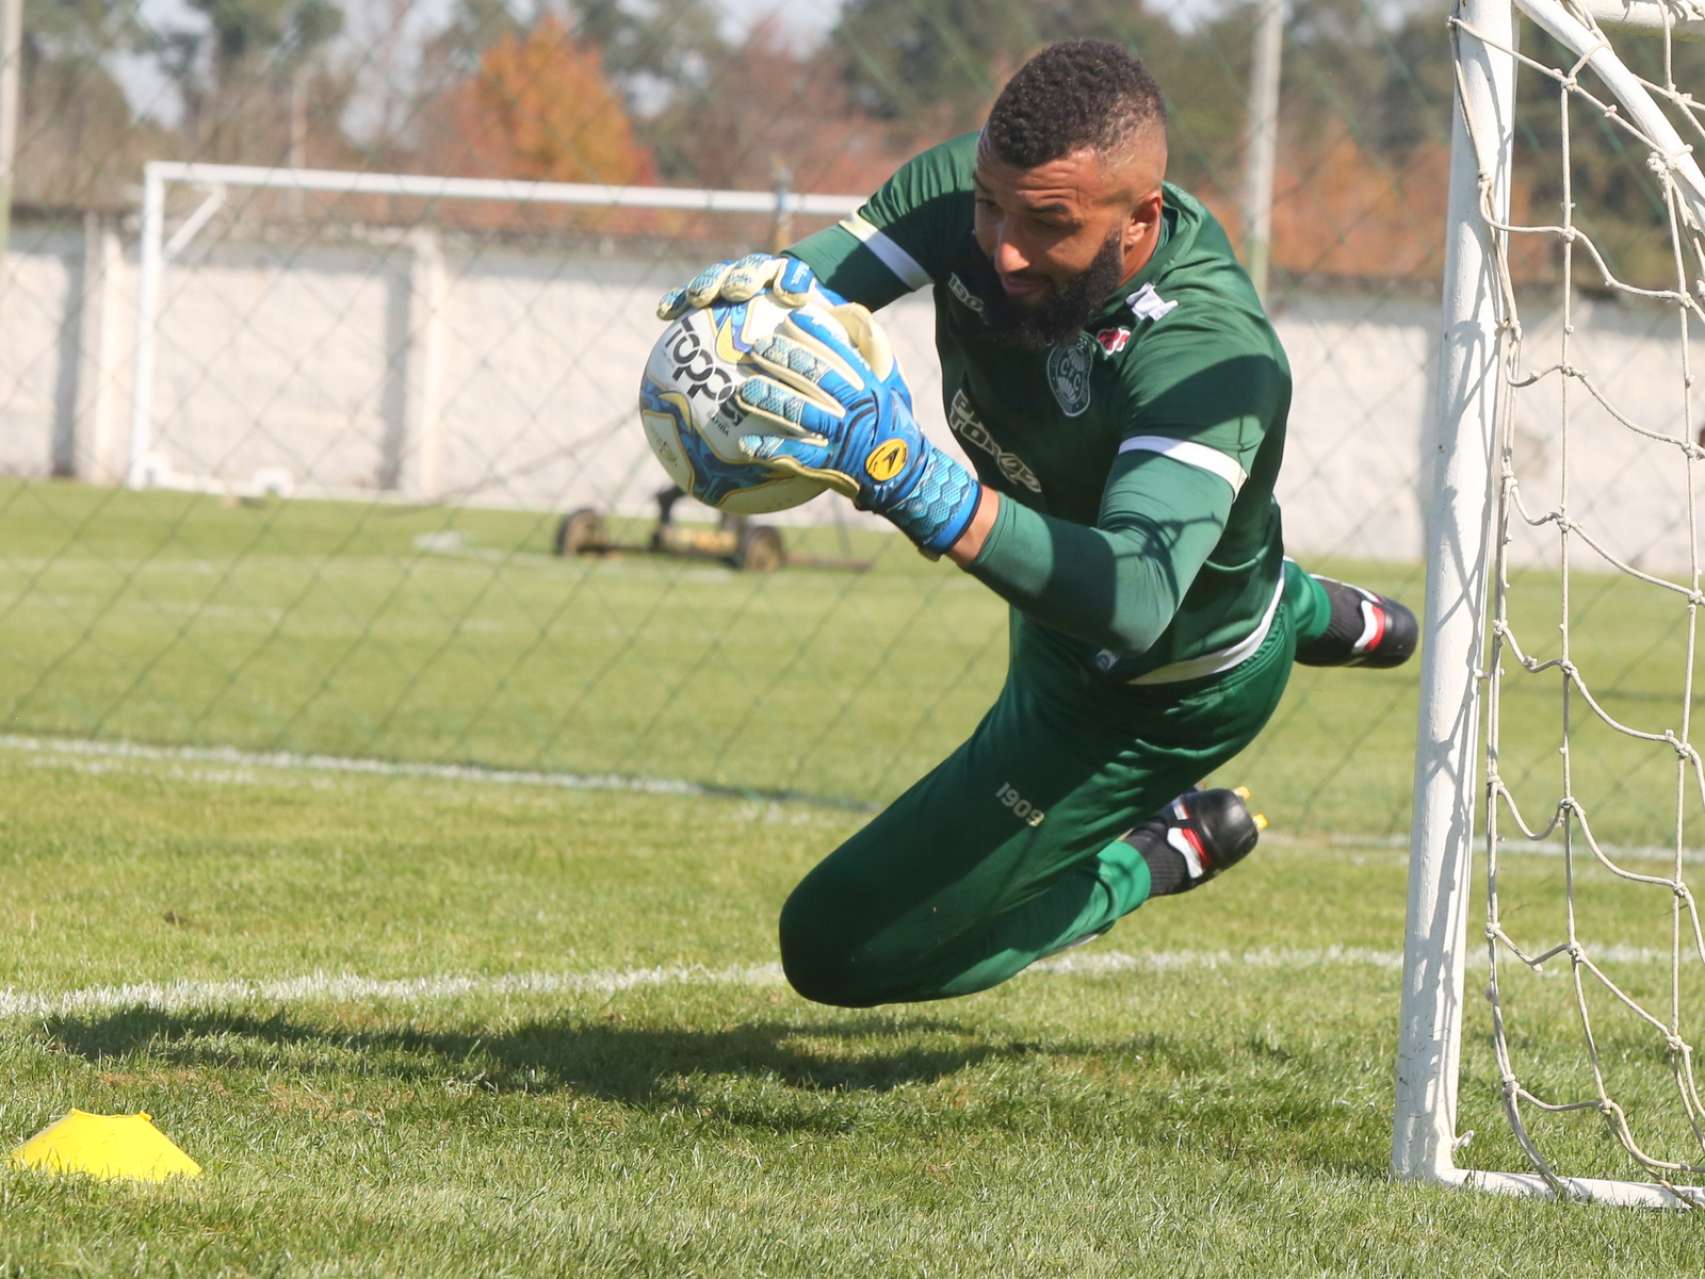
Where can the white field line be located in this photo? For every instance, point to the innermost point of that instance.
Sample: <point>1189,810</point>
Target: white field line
<point>233,765</point>
<point>288,761</point>
<point>180,996</point>
<point>1510,847</point>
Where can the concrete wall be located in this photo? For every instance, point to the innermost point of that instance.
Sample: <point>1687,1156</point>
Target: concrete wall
<point>67,316</point>
<point>439,368</point>
<point>38,353</point>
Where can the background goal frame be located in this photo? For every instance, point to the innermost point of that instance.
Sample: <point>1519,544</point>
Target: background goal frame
<point>1461,501</point>
<point>146,468</point>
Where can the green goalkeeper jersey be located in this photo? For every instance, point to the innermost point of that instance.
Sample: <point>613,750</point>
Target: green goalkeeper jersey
<point>1138,536</point>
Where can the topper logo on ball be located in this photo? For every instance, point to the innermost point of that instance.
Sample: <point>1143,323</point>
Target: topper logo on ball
<point>695,367</point>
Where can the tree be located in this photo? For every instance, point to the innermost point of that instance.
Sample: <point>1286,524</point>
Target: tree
<point>77,143</point>
<point>539,106</point>
<point>931,68</point>
<point>655,51</point>
<point>798,125</point>
<point>474,26</point>
<point>906,58</point>
<point>236,73</point>
<point>80,30</point>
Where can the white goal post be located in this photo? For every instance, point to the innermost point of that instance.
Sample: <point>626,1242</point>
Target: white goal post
<point>1475,506</point>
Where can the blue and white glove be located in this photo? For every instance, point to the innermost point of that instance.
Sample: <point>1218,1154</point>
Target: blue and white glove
<point>840,411</point>
<point>788,280</point>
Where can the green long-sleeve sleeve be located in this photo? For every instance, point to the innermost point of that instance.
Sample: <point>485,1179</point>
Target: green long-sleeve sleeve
<point>1119,583</point>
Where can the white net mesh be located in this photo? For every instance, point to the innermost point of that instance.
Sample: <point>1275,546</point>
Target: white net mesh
<point>1594,783</point>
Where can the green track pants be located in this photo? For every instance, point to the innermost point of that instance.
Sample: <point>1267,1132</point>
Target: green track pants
<point>1009,849</point>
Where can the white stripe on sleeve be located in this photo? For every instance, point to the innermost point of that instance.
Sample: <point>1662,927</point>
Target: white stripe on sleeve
<point>890,254</point>
<point>1190,453</point>
<point>1224,659</point>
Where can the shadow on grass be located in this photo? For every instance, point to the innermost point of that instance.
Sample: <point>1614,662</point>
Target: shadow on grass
<point>594,1056</point>
<point>1243,1101</point>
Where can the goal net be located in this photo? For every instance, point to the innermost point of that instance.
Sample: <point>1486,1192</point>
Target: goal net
<point>1573,292</point>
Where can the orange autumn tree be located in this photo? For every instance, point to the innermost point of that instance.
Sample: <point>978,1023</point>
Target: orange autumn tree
<point>1343,211</point>
<point>540,108</point>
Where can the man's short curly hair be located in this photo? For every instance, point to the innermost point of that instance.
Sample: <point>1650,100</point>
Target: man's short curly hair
<point>1073,95</point>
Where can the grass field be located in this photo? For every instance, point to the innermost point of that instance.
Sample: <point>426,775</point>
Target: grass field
<point>451,1021</point>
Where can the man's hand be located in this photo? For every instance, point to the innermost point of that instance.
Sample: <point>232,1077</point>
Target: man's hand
<point>788,280</point>
<point>844,416</point>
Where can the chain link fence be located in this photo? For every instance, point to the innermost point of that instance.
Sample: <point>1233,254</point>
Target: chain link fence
<point>299,461</point>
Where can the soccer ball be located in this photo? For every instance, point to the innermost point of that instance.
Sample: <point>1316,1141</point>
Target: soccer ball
<point>690,420</point>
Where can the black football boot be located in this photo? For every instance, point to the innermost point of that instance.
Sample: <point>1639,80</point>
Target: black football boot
<point>1195,837</point>
<point>1366,629</point>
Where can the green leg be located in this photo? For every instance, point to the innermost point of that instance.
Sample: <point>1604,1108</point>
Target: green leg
<point>1307,602</point>
<point>1009,850</point>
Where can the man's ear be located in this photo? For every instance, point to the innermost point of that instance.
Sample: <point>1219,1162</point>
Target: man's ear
<point>1144,219</point>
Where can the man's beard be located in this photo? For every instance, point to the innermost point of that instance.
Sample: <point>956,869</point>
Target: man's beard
<point>1063,310</point>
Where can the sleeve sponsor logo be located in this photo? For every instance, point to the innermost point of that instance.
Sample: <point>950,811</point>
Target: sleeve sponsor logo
<point>967,299</point>
<point>1022,808</point>
<point>1146,304</point>
<point>969,427</point>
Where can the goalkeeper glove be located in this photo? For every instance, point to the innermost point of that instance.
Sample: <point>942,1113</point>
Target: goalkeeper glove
<point>788,280</point>
<point>839,411</point>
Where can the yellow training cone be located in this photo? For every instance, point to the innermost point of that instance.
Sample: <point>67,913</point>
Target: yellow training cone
<point>105,1146</point>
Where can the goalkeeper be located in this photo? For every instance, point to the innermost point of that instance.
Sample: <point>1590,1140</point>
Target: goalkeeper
<point>1111,373</point>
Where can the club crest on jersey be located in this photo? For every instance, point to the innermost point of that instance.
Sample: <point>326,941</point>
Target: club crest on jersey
<point>1113,341</point>
<point>1068,374</point>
